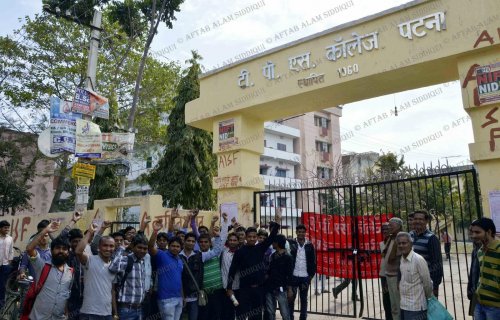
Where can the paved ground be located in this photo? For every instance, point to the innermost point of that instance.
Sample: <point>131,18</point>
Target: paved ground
<point>452,292</point>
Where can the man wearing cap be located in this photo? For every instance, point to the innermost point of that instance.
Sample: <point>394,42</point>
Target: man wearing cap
<point>392,259</point>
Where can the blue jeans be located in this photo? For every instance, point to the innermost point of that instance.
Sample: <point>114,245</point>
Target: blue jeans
<point>170,309</point>
<point>86,316</point>
<point>413,315</point>
<point>302,285</point>
<point>483,312</point>
<point>4,275</point>
<point>129,313</point>
<point>281,297</point>
<point>191,310</point>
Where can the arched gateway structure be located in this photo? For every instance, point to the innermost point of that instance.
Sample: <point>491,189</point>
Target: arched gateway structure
<point>418,44</point>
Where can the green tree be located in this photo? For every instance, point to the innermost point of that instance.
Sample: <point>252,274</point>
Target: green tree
<point>184,174</point>
<point>388,163</point>
<point>48,56</point>
<point>16,175</point>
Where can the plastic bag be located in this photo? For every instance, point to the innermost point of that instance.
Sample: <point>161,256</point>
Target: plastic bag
<point>436,311</point>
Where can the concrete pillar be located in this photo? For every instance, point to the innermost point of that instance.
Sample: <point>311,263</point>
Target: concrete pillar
<point>485,118</point>
<point>238,142</point>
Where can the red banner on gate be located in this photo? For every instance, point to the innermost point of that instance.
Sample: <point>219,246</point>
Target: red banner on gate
<point>332,237</point>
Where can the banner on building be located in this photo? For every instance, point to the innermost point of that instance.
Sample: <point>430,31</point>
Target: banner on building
<point>88,139</point>
<point>62,126</point>
<point>333,238</point>
<point>90,103</point>
<point>226,134</point>
<point>488,83</point>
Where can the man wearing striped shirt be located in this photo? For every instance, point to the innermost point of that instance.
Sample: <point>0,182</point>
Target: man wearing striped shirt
<point>131,295</point>
<point>427,244</point>
<point>488,291</point>
<point>415,286</point>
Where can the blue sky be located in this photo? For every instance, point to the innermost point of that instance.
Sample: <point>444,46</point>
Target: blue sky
<point>224,29</point>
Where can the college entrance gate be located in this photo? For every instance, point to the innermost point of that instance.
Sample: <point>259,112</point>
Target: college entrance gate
<point>344,222</point>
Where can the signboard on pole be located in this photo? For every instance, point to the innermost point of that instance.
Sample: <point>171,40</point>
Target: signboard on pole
<point>90,103</point>
<point>88,139</point>
<point>83,170</point>
<point>117,145</point>
<point>62,126</point>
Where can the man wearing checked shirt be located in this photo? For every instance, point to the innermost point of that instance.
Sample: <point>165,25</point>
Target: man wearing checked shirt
<point>131,295</point>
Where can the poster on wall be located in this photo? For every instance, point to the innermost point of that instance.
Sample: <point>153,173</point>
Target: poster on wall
<point>62,126</point>
<point>494,202</point>
<point>88,139</point>
<point>231,208</point>
<point>226,134</point>
<point>488,83</point>
<point>90,103</point>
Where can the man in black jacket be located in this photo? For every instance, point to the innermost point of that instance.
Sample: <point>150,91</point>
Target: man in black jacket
<point>304,258</point>
<point>278,279</point>
<point>249,261</point>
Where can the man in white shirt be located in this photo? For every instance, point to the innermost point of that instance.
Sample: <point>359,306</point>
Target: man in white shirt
<point>415,286</point>
<point>6,256</point>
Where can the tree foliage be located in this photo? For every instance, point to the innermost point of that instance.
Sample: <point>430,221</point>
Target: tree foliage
<point>16,174</point>
<point>184,174</point>
<point>48,56</point>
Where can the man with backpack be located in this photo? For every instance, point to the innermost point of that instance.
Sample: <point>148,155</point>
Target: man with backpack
<point>98,280</point>
<point>130,287</point>
<point>47,298</point>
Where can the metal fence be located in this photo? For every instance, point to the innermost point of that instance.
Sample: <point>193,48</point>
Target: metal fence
<point>450,195</point>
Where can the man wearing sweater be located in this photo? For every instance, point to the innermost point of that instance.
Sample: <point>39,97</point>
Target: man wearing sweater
<point>249,261</point>
<point>427,244</point>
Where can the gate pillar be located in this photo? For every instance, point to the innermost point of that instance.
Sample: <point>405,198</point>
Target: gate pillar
<point>238,142</point>
<point>481,100</point>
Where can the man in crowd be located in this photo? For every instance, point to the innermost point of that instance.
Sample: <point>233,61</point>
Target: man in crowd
<point>488,290</point>
<point>228,307</point>
<point>6,256</point>
<point>98,282</point>
<point>304,258</point>
<point>51,301</point>
<point>131,280</point>
<point>473,276</point>
<point>42,248</point>
<point>427,244</point>
<point>169,266</point>
<point>192,279</point>
<point>415,286</point>
<point>392,263</point>
<point>249,261</point>
<point>386,232</point>
<point>212,275</point>
<point>278,280</point>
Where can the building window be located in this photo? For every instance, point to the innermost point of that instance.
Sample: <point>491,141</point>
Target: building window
<point>149,162</point>
<point>324,173</point>
<point>263,170</point>
<point>281,202</point>
<point>281,173</point>
<point>282,146</point>
<point>322,146</point>
<point>321,122</point>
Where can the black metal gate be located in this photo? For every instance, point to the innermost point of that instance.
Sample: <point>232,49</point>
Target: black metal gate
<point>450,195</point>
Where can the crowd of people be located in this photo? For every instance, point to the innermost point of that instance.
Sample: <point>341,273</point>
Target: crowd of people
<point>226,272</point>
